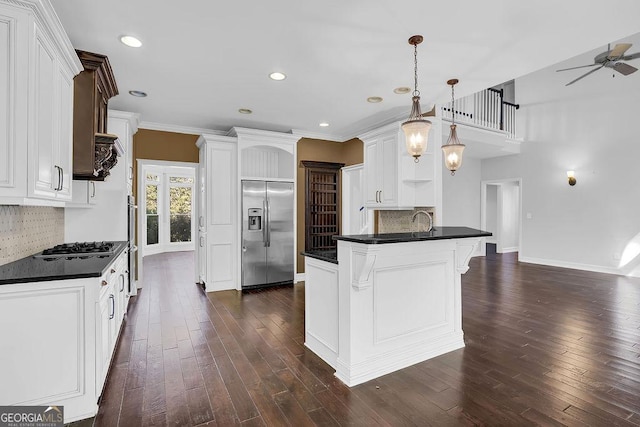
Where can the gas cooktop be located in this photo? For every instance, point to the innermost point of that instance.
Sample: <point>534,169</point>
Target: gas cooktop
<point>78,250</point>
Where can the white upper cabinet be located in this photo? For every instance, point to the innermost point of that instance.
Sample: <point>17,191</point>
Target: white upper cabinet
<point>36,105</point>
<point>265,155</point>
<point>393,180</point>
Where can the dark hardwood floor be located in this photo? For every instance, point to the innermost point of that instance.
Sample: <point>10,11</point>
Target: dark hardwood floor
<point>544,346</point>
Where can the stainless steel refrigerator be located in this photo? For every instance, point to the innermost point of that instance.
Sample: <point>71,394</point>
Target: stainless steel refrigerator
<point>267,233</point>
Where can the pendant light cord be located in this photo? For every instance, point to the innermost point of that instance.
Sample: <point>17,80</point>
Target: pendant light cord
<point>416,92</point>
<point>453,108</point>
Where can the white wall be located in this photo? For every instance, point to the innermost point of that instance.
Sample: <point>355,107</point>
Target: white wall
<point>509,217</point>
<point>492,213</point>
<point>590,127</point>
<point>461,195</point>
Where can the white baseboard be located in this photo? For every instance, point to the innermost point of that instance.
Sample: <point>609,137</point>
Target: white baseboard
<point>299,277</point>
<point>571,265</point>
<point>382,364</point>
<point>508,250</point>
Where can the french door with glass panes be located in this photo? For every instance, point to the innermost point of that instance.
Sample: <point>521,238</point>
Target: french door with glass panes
<point>169,203</point>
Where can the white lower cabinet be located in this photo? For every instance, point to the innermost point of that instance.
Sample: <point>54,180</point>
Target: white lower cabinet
<point>103,337</point>
<point>57,339</point>
<point>109,316</point>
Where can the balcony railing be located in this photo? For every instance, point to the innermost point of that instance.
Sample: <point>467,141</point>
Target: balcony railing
<point>486,109</point>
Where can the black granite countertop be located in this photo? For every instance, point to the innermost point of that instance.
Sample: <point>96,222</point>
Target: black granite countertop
<point>32,269</point>
<point>328,255</point>
<point>438,233</point>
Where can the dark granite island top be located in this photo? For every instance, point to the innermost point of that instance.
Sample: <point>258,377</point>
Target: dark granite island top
<point>328,255</point>
<point>30,269</point>
<point>437,233</point>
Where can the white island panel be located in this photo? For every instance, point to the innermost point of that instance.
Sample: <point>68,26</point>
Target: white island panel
<point>321,309</point>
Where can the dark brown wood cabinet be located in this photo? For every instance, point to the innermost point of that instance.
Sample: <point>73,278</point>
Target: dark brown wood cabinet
<point>93,147</point>
<point>322,204</point>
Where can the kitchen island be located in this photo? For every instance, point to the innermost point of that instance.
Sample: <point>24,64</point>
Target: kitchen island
<point>389,301</point>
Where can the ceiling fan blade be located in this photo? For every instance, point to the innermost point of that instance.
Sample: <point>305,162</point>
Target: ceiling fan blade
<point>618,50</point>
<point>581,66</point>
<point>630,57</point>
<point>624,69</point>
<point>584,75</point>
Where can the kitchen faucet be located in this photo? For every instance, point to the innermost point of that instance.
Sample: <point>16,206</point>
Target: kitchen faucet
<point>413,219</point>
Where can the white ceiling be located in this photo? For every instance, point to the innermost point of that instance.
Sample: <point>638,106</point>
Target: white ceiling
<point>202,60</point>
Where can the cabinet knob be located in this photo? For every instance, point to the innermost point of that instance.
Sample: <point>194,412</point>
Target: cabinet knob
<point>104,283</point>
<point>113,271</point>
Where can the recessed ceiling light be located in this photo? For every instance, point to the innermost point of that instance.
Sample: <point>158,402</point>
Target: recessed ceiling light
<point>245,111</point>
<point>277,76</point>
<point>402,90</point>
<point>138,93</point>
<point>323,124</point>
<point>130,41</point>
<point>374,99</point>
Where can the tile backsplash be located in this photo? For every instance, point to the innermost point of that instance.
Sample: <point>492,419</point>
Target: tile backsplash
<point>26,230</point>
<point>400,221</point>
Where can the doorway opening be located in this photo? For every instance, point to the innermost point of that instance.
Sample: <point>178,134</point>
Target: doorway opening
<point>501,202</point>
<point>166,198</point>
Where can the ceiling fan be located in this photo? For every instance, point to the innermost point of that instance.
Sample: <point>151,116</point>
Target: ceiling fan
<point>612,58</point>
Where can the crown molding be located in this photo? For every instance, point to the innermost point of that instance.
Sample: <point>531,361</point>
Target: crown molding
<point>132,118</point>
<point>374,122</point>
<point>179,129</point>
<point>319,135</point>
<point>211,138</point>
<point>51,25</point>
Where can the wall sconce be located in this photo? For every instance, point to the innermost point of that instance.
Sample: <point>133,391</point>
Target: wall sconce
<point>572,178</point>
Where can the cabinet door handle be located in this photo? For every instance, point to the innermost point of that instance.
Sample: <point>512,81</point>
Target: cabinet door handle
<point>61,178</point>
<point>121,282</point>
<point>380,196</point>
<point>130,172</point>
<point>113,306</point>
<point>93,185</point>
<point>59,185</point>
<point>201,242</point>
<point>104,283</point>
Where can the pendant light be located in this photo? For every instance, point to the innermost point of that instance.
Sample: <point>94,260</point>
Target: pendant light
<point>453,148</point>
<point>416,129</point>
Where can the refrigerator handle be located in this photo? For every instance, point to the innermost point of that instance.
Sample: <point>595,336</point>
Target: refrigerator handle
<point>265,221</point>
<point>268,227</point>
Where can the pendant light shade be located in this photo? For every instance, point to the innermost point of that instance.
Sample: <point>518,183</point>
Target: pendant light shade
<point>453,149</point>
<point>416,129</point>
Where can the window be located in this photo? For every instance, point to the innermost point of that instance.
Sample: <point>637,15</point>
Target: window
<point>322,204</point>
<point>180,207</point>
<point>169,206</point>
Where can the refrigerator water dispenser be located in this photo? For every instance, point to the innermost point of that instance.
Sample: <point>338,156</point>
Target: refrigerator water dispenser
<point>255,219</point>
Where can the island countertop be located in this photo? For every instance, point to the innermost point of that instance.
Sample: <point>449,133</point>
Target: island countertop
<point>328,255</point>
<point>437,233</point>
